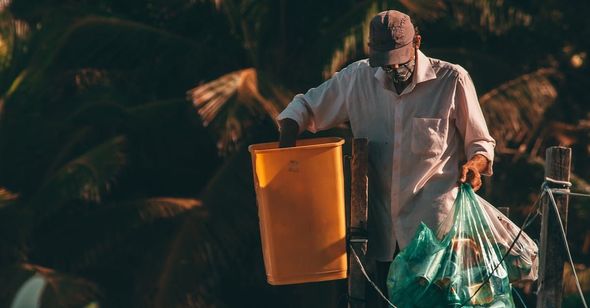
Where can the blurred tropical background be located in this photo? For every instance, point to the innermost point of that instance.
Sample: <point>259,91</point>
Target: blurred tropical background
<point>124,124</point>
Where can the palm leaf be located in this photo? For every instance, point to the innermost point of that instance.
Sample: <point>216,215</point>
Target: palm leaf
<point>123,45</point>
<point>89,177</point>
<point>163,207</point>
<point>569,281</point>
<point>64,290</point>
<point>55,289</point>
<point>4,4</point>
<point>145,114</point>
<point>232,102</point>
<point>355,43</point>
<point>14,34</point>
<point>217,246</point>
<point>7,39</point>
<point>515,109</point>
<point>426,9</point>
<point>492,16</point>
<point>100,241</point>
<point>101,235</point>
<point>6,197</point>
<point>85,128</point>
<point>69,59</point>
<point>11,225</point>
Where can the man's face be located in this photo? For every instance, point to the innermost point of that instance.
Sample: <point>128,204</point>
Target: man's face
<point>400,73</point>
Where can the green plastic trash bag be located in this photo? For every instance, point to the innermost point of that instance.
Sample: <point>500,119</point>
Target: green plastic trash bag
<point>459,266</point>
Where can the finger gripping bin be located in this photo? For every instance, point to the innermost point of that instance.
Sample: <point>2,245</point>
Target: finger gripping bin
<point>300,194</point>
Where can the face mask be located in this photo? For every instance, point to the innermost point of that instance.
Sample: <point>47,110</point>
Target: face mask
<point>402,73</point>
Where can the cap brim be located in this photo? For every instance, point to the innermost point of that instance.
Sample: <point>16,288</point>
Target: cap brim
<point>390,57</point>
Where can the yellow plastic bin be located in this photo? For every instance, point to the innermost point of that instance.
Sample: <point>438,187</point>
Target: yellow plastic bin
<point>300,194</point>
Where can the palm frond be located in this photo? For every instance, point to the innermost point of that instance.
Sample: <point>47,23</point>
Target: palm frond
<point>11,26</point>
<point>64,290</point>
<point>569,281</point>
<point>85,128</point>
<point>7,39</point>
<point>217,246</point>
<point>99,234</point>
<point>46,91</point>
<point>494,16</point>
<point>55,289</point>
<point>515,109</point>
<point>4,4</point>
<point>233,101</point>
<point>147,113</point>
<point>12,224</point>
<point>14,35</point>
<point>165,207</point>
<point>426,9</point>
<point>123,44</point>
<point>6,197</point>
<point>580,184</point>
<point>354,44</point>
<point>89,177</point>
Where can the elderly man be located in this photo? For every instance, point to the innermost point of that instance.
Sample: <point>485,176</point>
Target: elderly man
<point>425,128</point>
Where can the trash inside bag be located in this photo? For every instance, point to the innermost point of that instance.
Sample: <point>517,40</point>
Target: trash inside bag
<point>459,265</point>
<point>522,261</point>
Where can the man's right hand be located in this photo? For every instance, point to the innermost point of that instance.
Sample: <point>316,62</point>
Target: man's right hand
<point>289,129</point>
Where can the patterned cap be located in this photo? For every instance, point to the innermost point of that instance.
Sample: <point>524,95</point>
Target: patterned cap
<point>391,34</point>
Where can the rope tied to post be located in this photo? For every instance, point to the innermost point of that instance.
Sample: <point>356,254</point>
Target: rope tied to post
<point>565,191</point>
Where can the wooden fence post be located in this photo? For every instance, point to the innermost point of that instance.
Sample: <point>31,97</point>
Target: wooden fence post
<point>552,250</point>
<point>358,221</point>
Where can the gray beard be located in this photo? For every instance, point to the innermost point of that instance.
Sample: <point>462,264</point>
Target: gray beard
<point>400,78</point>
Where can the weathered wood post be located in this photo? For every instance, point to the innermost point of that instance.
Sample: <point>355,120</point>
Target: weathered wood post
<point>552,250</point>
<point>358,221</point>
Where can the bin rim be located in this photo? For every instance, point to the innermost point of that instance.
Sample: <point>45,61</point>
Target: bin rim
<point>315,143</point>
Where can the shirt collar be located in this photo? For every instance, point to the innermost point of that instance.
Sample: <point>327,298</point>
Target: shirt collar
<point>424,72</point>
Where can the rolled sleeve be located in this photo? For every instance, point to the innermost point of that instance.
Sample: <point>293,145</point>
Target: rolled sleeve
<point>471,122</point>
<point>297,111</point>
<point>323,107</point>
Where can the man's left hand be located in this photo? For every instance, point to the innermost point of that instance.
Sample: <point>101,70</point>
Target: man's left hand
<point>470,171</point>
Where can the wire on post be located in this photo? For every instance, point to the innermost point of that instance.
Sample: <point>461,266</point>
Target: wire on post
<point>373,284</point>
<point>549,191</point>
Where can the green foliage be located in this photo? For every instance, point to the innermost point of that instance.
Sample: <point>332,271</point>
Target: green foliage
<point>93,116</point>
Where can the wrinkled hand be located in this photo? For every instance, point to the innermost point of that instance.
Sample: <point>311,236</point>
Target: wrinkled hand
<point>470,171</point>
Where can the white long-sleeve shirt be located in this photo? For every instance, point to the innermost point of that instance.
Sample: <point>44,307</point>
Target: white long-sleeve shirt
<point>417,140</point>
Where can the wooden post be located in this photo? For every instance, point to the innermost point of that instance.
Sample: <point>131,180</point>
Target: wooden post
<point>552,251</point>
<point>358,221</point>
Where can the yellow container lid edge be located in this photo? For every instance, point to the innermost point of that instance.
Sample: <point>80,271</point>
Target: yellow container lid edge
<point>301,144</point>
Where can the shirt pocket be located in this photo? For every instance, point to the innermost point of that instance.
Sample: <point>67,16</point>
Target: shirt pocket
<point>426,136</point>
